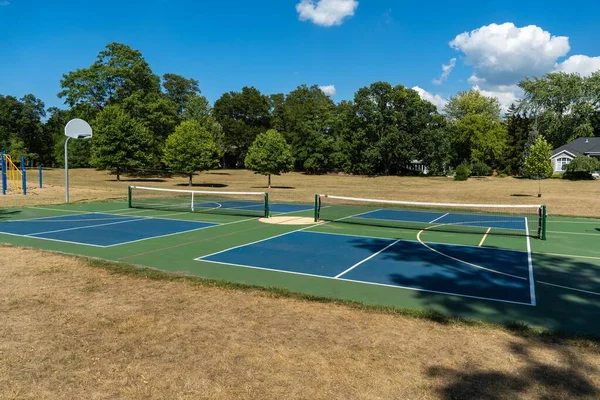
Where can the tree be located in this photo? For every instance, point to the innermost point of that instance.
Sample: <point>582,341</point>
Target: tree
<point>518,127</point>
<point>581,167</point>
<point>180,90</point>
<point>191,149</point>
<point>243,115</point>
<point>480,139</point>
<point>472,103</point>
<point>118,72</point>
<point>120,142</point>
<point>270,155</point>
<point>199,110</point>
<point>566,105</point>
<point>306,117</point>
<point>538,164</point>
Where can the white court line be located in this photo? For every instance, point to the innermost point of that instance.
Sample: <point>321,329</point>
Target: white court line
<point>438,218</point>
<point>485,236</point>
<point>85,227</point>
<point>530,264</point>
<point>567,255</point>
<point>575,233</point>
<point>366,283</point>
<point>366,259</point>
<point>59,209</point>
<point>52,240</point>
<point>465,262</point>
<point>569,288</point>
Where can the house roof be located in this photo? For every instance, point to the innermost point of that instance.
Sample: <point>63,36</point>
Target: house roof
<point>580,146</point>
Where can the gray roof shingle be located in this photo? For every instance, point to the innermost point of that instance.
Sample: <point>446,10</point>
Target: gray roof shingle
<point>580,146</point>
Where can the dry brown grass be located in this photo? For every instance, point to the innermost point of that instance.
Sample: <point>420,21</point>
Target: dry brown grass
<point>576,198</point>
<point>71,331</point>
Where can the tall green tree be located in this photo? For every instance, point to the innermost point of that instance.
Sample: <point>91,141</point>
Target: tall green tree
<point>118,72</point>
<point>191,149</point>
<point>120,142</point>
<point>518,127</point>
<point>180,90</point>
<point>565,105</point>
<point>243,115</point>
<point>270,155</point>
<point>307,117</point>
<point>199,110</point>
<point>538,165</point>
<point>479,134</point>
<point>472,102</point>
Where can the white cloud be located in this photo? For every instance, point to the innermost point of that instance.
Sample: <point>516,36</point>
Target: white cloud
<point>329,90</point>
<point>435,99</point>
<point>506,95</point>
<point>504,54</point>
<point>326,12</point>
<point>446,70</point>
<point>583,65</point>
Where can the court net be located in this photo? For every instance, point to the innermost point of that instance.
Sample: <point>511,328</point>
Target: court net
<point>254,204</point>
<point>515,220</point>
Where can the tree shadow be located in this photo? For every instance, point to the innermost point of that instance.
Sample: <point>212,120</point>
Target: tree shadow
<point>218,173</point>
<point>8,213</point>
<point>156,180</point>
<point>274,187</point>
<point>568,379</point>
<point>203,185</point>
<point>522,195</point>
<point>567,289</point>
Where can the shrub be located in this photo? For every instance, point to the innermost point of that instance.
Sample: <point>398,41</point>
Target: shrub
<point>557,176</point>
<point>462,172</point>
<point>481,169</point>
<point>502,175</point>
<point>582,167</point>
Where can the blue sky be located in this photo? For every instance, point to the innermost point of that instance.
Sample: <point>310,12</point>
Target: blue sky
<point>278,45</point>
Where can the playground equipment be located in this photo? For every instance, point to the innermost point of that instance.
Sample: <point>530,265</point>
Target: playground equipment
<point>12,175</point>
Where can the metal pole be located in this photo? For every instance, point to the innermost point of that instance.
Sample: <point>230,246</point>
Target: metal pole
<point>40,174</point>
<point>23,176</point>
<point>67,171</point>
<point>3,161</point>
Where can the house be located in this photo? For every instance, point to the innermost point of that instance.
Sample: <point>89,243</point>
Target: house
<point>563,156</point>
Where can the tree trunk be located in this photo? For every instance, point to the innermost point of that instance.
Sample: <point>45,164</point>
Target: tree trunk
<point>539,187</point>
<point>190,184</point>
<point>269,181</point>
<point>118,175</point>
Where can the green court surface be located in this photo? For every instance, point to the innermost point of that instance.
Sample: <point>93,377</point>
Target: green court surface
<point>553,284</point>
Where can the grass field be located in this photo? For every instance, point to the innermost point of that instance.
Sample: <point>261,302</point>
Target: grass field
<point>289,349</point>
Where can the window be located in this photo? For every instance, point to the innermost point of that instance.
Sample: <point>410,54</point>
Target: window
<point>561,163</point>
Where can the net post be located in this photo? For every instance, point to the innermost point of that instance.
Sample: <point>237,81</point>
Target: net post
<point>316,207</point>
<point>267,208</point>
<point>23,176</point>
<point>192,205</point>
<point>128,195</point>
<point>40,174</point>
<point>543,235</point>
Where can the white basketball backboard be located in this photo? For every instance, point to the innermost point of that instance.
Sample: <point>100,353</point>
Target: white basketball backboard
<point>78,129</point>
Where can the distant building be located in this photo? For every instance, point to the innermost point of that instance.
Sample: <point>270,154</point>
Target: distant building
<point>563,156</point>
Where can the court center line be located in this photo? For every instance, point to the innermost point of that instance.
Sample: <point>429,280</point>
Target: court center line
<point>366,259</point>
<point>569,288</point>
<point>530,266</point>
<point>485,236</point>
<point>438,218</point>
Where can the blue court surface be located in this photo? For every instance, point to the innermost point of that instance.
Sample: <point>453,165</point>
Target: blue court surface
<point>477,272</point>
<point>99,229</point>
<point>473,220</point>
